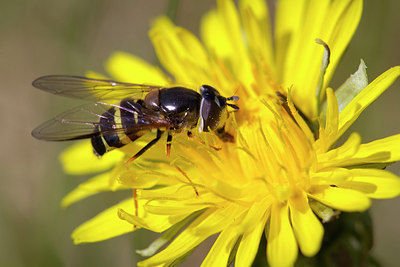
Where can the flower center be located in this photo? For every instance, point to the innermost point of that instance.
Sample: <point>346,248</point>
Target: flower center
<point>282,151</point>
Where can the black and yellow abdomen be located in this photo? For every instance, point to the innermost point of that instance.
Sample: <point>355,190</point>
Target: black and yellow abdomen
<point>119,126</point>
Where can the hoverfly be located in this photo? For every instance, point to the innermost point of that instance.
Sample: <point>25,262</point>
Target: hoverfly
<point>120,113</point>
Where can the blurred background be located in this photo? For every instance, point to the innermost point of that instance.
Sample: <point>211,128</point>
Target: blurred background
<point>40,37</point>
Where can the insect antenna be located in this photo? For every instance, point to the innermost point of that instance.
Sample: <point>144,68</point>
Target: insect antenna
<point>233,106</point>
<point>232,98</point>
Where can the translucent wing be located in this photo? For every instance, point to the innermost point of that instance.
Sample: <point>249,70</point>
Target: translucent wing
<point>91,89</point>
<point>94,118</point>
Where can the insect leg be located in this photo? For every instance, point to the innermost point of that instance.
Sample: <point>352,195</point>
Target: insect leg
<point>169,140</point>
<point>187,178</point>
<point>146,147</point>
<point>191,135</point>
<point>135,201</point>
<point>138,154</point>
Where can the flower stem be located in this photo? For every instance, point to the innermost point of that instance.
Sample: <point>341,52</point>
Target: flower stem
<point>172,9</point>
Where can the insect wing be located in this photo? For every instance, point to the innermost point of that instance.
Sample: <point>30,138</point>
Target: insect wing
<point>94,118</point>
<point>91,89</point>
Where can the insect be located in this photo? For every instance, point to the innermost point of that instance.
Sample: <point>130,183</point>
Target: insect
<point>120,113</point>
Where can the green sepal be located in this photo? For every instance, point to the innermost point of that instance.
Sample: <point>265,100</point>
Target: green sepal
<point>352,86</point>
<point>167,236</point>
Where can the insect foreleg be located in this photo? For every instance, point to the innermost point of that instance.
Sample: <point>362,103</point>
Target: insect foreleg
<point>191,135</point>
<point>169,141</point>
<point>146,147</point>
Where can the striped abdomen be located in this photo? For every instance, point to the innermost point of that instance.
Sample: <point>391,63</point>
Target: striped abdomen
<point>119,126</point>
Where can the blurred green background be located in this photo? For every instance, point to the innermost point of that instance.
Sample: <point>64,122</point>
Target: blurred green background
<point>40,37</point>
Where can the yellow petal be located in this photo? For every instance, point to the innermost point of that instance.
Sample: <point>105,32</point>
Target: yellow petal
<point>167,236</point>
<point>214,35</point>
<point>373,182</point>
<point>149,221</point>
<point>194,47</point>
<point>340,156</point>
<point>298,24</point>
<point>104,226</point>
<point>287,22</point>
<point>306,226</point>
<point>281,243</point>
<point>174,207</point>
<point>137,179</point>
<point>169,49</point>
<point>250,242</point>
<point>256,22</point>
<point>340,198</point>
<point>333,176</point>
<point>79,159</point>
<point>220,251</point>
<point>210,222</point>
<point>180,52</point>
<point>175,200</point>
<point>329,135</point>
<point>332,114</point>
<point>125,67</point>
<point>96,75</point>
<point>370,93</point>
<point>97,184</point>
<point>384,150</point>
<point>255,214</point>
<point>388,148</point>
<point>222,53</point>
<point>231,21</point>
<point>298,56</point>
<point>339,27</point>
<point>179,247</point>
<point>300,121</point>
<point>222,34</point>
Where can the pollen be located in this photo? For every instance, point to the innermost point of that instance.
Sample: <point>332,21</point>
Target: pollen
<point>282,152</point>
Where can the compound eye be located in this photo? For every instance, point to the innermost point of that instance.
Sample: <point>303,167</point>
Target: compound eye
<point>208,91</point>
<point>221,101</point>
<point>210,114</point>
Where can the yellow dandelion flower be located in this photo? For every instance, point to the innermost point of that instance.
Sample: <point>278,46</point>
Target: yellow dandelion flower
<point>283,173</point>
